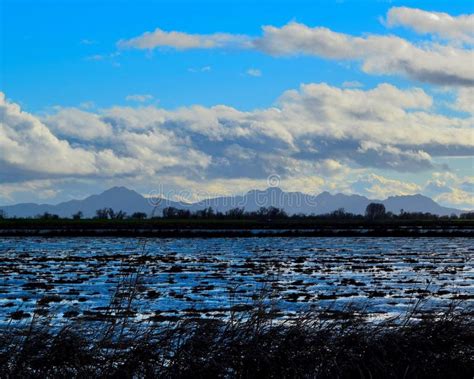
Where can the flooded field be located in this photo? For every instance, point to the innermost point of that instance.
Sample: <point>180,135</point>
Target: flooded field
<point>76,277</point>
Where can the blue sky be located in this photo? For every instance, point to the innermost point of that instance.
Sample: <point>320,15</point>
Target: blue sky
<point>63,59</point>
<point>48,46</point>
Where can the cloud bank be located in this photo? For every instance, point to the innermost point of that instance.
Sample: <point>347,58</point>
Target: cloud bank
<point>317,132</point>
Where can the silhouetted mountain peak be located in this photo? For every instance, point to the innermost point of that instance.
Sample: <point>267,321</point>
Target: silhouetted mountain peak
<point>325,194</point>
<point>411,197</point>
<point>416,203</point>
<point>268,190</point>
<point>417,197</point>
<point>119,191</point>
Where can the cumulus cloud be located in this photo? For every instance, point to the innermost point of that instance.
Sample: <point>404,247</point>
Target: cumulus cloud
<point>27,145</point>
<point>74,143</point>
<point>316,131</point>
<point>465,100</point>
<point>387,156</point>
<point>457,29</point>
<point>43,189</point>
<point>352,122</point>
<point>458,198</point>
<point>451,189</point>
<point>432,63</point>
<point>72,122</point>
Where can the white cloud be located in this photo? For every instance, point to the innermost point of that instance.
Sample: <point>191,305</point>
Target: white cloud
<point>72,122</point>
<point>86,145</point>
<point>316,131</point>
<point>444,187</point>
<point>183,41</point>
<point>141,98</point>
<point>378,187</point>
<point>465,100</point>
<point>254,72</point>
<point>27,145</point>
<point>451,189</point>
<point>432,63</point>
<point>457,198</point>
<point>428,61</point>
<point>42,189</point>
<point>457,29</point>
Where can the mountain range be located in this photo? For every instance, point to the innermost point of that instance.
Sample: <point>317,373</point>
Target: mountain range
<point>129,201</point>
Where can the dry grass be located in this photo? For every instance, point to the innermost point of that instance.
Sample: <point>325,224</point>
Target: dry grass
<point>251,344</point>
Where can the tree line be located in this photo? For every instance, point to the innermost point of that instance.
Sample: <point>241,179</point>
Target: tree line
<point>374,211</point>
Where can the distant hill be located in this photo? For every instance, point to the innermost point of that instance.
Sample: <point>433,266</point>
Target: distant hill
<point>417,203</point>
<point>117,198</point>
<point>121,198</point>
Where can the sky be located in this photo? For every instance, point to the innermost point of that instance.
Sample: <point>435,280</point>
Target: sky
<point>196,99</point>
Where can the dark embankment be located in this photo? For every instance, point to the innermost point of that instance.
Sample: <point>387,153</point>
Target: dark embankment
<point>235,228</point>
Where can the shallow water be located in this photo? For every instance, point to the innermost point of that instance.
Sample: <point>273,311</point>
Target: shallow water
<point>206,277</point>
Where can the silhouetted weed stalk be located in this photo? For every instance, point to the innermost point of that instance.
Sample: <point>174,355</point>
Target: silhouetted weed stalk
<point>249,344</point>
<point>252,341</point>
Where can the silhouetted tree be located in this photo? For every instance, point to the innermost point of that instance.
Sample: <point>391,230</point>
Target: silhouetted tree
<point>390,215</point>
<point>102,214</point>
<point>120,215</point>
<point>139,215</point>
<point>270,213</point>
<point>47,216</point>
<point>418,216</point>
<point>169,212</point>
<point>235,213</point>
<point>3,214</point>
<point>172,212</point>
<point>467,216</point>
<point>274,213</point>
<point>77,216</point>
<point>375,211</point>
<point>205,213</point>
<point>338,213</point>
